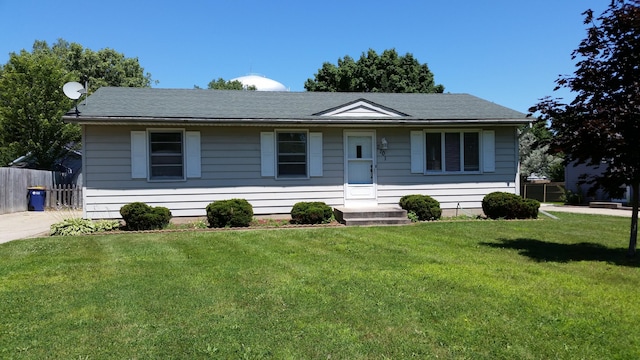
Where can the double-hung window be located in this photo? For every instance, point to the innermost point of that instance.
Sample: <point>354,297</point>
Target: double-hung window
<point>166,159</point>
<point>291,154</point>
<point>165,154</point>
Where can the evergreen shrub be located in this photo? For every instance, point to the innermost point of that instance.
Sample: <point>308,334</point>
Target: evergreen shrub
<point>229,213</point>
<point>140,216</point>
<point>424,207</point>
<point>503,205</point>
<point>314,212</point>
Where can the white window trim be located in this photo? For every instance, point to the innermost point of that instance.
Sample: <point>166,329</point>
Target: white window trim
<point>276,154</point>
<point>486,148</point>
<point>443,147</point>
<point>269,154</point>
<point>140,154</point>
<point>184,155</point>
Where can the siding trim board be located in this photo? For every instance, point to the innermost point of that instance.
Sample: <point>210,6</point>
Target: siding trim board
<point>192,202</point>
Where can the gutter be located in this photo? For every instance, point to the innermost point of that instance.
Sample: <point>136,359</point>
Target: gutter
<point>378,122</point>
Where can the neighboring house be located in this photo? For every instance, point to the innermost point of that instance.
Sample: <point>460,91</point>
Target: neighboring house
<point>67,169</point>
<point>573,174</point>
<point>184,149</point>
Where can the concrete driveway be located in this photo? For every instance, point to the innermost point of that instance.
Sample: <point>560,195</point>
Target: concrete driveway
<point>29,224</point>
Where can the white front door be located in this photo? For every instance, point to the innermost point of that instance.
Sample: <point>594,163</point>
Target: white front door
<point>360,168</point>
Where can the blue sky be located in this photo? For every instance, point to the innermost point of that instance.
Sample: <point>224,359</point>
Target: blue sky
<point>506,51</point>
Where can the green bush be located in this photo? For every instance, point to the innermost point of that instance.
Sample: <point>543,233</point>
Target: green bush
<point>503,205</point>
<point>573,198</point>
<point>229,213</point>
<point>314,212</point>
<point>140,216</point>
<point>78,226</point>
<point>530,209</point>
<point>423,206</point>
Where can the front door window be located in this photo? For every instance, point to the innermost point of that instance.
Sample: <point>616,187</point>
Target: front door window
<point>360,159</point>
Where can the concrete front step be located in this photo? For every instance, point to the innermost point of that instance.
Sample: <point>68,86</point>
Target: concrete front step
<point>376,221</point>
<point>371,216</point>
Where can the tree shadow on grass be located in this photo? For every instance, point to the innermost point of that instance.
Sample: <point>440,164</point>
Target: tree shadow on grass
<point>540,250</point>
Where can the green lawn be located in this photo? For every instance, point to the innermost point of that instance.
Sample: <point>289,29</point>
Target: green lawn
<point>540,289</point>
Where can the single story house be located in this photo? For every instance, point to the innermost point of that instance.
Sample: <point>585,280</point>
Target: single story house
<point>184,149</point>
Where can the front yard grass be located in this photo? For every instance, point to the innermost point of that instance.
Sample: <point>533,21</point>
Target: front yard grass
<point>537,289</point>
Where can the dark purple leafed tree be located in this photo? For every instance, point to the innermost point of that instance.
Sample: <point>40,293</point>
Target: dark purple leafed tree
<point>603,122</point>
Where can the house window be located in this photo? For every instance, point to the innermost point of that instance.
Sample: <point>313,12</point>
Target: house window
<point>166,155</point>
<point>452,151</point>
<point>291,149</point>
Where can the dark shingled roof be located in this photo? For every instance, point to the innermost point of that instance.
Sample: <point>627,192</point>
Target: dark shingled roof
<point>136,105</point>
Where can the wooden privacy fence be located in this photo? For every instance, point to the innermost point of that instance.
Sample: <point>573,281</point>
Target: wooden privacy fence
<point>14,184</point>
<point>544,192</point>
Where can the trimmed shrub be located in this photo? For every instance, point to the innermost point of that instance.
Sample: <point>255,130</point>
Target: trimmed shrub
<point>140,216</point>
<point>503,205</point>
<point>529,209</point>
<point>423,206</point>
<point>500,205</point>
<point>314,212</point>
<point>229,213</point>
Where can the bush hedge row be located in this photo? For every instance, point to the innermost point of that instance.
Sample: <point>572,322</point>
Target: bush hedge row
<point>239,212</point>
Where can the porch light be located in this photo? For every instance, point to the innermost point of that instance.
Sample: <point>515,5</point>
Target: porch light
<point>383,146</point>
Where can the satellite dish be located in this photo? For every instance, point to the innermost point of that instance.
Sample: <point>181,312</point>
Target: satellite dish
<point>73,90</point>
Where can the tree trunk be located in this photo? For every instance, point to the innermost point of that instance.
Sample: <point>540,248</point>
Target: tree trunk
<point>633,236</point>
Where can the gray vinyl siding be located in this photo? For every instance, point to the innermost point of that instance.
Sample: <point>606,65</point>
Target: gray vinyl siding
<point>230,163</point>
<point>396,168</point>
<point>230,167</point>
<point>451,190</point>
<point>230,157</point>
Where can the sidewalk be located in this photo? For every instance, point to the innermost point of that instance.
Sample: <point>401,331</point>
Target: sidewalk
<point>585,210</point>
<point>28,224</point>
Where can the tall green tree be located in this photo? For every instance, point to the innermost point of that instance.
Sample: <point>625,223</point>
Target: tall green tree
<point>32,102</point>
<point>31,107</point>
<point>105,67</point>
<point>387,72</point>
<point>536,159</point>
<point>603,121</point>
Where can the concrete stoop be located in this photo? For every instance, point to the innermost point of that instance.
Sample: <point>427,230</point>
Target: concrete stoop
<point>371,216</point>
<point>605,205</point>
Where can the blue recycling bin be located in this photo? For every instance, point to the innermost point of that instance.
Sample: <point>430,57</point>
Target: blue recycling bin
<point>36,197</point>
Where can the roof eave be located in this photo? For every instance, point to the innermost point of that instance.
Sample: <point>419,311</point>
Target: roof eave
<point>120,120</point>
